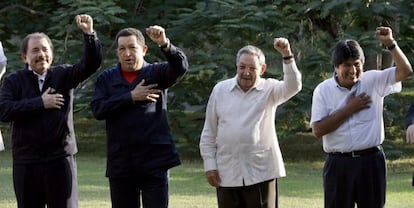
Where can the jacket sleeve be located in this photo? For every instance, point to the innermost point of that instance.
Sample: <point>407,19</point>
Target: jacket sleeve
<point>104,105</point>
<point>175,69</point>
<point>89,63</point>
<point>12,107</point>
<point>409,117</point>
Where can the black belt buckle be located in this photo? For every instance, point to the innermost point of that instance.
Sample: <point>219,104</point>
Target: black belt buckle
<point>359,153</point>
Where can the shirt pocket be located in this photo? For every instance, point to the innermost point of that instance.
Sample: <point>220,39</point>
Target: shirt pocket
<point>259,162</point>
<point>365,115</point>
<point>225,110</point>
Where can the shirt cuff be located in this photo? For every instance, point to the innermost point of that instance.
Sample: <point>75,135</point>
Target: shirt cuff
<point>210,164</point>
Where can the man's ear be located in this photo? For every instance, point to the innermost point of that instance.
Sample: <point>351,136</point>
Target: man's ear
<point>144,49</point>
<point>23,56</point>
<point>263,69</point>
<point>336,69</point>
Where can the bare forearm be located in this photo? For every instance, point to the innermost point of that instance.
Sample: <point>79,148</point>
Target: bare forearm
<point>404,69</point>
<point>330,123</point>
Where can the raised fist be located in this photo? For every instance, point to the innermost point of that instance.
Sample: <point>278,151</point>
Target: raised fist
<point>282,45</point>
<point>157,34</point>
<point>384,34</point>
<point>85,23</point>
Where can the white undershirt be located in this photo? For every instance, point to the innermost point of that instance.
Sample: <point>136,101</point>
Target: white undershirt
<point>40,78</point>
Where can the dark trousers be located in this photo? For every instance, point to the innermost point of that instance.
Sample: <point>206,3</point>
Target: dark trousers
<point>412,182</point>
<point>261,195</point>
<point>355,180</point>
<point>41,184</point>
<point>151,189</point>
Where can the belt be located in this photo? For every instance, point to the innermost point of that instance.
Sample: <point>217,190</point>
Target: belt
<point>357,153</point>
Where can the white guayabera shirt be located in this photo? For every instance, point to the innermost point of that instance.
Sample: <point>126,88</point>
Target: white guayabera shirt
<point>3,62</point>
<point>239,135</point>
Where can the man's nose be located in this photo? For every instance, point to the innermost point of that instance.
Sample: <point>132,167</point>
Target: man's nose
<point>127,52</point>
<point>42,54</point>
<point>354,69</point>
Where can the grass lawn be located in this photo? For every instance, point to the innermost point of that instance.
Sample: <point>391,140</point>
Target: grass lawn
<point>189,189</point>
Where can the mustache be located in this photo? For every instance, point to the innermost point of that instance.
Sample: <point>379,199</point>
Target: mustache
<point>41,58</point>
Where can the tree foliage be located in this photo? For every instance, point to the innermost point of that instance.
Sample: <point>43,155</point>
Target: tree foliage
<point>211,32</point>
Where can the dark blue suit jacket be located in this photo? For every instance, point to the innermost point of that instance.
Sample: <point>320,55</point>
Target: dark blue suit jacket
<point>139,138</point>
<point>409,117</point>
<point>39,134</point>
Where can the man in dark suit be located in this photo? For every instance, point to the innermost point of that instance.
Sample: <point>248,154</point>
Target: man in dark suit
<point>132,98</point>
<point>37,101</point>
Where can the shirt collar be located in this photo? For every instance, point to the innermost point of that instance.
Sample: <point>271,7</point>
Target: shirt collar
<point>40,76</point>
<point>355,86</point>
<point>259,85</point>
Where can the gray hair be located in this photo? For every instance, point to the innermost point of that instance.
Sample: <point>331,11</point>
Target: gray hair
<point>253,50</point>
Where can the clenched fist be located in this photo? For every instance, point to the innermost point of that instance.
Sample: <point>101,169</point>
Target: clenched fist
<point>384,34</point>
<point>85,23</point>
<point>282,45</point>
<point>157,34</point>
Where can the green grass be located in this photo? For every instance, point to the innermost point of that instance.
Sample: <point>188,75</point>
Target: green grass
<point>189,189</point>
<point>301,188</point>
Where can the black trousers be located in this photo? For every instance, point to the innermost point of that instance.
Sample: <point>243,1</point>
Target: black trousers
<point>41,184</point>
<point>128,192</point>
<point>355,180</point>
<point>261,195</point>
<point>412,182</point>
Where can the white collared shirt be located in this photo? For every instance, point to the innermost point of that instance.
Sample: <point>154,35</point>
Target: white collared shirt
<point>40,78</point>
<point>364,129</point>
<point>3,61</point>
<point>239,136</point>
<point>3,57</point>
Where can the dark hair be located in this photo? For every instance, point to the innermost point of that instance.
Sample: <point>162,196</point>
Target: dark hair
<point>36,35</point>
<point>128,32</point>
<point>346,49</point>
